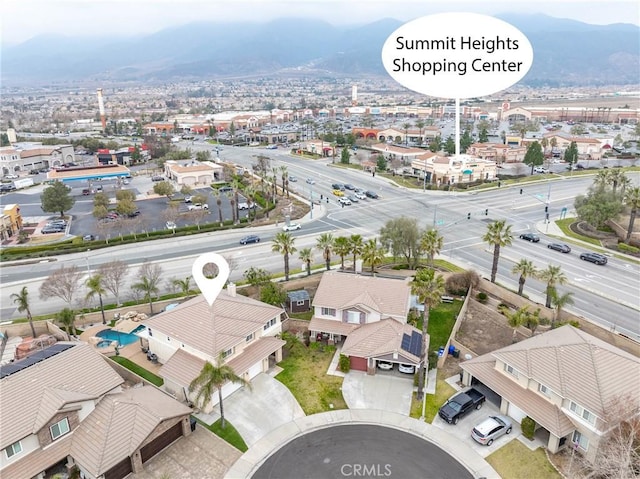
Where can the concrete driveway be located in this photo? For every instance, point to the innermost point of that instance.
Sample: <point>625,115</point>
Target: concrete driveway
<point>254,413</point>
<point>380,391</point>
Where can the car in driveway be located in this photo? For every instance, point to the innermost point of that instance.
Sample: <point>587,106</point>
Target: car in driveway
<point>596,258</point>
<point>406,368</point>
<point>291,227</point>
<point>250,239</point>
<point>534,238</point>
<point>563,248</point>
<point>344,201</point>
<point>385,365</point>
<point>491,429</point>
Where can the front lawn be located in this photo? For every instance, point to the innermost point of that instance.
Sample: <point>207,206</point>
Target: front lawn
<point>229,433</point>
<point>565,224</point>
<point>517,461</point>
<point>139,370</point>
<point>305,374</point>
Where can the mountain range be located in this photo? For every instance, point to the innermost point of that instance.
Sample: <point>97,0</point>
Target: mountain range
<point>566,52</point>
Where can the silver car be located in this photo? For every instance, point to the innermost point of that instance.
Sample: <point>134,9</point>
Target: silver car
<point>491,429</point>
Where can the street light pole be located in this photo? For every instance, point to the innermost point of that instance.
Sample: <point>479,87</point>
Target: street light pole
<point>311,199</point>
<point>88,266</point>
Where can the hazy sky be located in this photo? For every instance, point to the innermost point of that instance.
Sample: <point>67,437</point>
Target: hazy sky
<point>23,19</point>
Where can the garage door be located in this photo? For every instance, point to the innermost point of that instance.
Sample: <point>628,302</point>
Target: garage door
<point>255,370</point>
<point>120,470</point>
<point>516,413</point>
<point>160,442</point>
<point>359,364</point>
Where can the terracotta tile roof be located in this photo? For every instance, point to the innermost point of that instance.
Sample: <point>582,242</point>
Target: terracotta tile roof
<point>390,297</point>
<point>119,425</point>
<point>23,392</point>
<point>380,338</point>
<point>576,365</point>
<point>332,326</point>
<point>182,367</point>
<point>216,329</point>
<point>37,461</point>
<point>37,152</point>
<point>256,351</point>
<point>539,409</point>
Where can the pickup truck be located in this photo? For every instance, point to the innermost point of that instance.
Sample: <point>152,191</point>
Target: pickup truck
<point>461,404</point>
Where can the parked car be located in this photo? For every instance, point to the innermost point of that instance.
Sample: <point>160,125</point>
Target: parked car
<point>491,429</point>
<point>338,193</point>
<point>52,229</point>
<point>86,192</point>
<point>596,258</point>
<point>461,404</point>
<point>534,238</point>
<point>199,206</point>
<point>291,227</point>
<point>245,206</point>
<point>371,194</point>
<point>88,238</point>
<point>344,201</point>
<point>250,239</point>
<point>540,169</point>
<point>386,365</point>
<point>406,368</point>
<point>157,178</point>
<point>188,199</point>
<point>338,186</point>
<point>563,248</point>
<point>353,198</point>
<point>225,189</point>
<point>134,214</point>
<point>170,225</point>
<point>11,177</point>
<point>360,196</point>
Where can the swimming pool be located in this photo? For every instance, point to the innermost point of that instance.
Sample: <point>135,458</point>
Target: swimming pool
<point>123,339</point>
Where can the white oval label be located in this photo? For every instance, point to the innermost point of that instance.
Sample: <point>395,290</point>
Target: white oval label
<point>457,55</point>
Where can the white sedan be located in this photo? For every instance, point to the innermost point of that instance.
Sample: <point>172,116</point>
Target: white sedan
<point>291,227</point>
<point>361,196</point>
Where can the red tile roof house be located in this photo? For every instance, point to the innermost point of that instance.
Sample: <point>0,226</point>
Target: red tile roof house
<point>66,406</point>
<point>242,329</point>
<point>566,380</point>
<point>369,314</point>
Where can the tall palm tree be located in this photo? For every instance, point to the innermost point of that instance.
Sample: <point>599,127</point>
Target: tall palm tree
<point>526,269</point>
<point>67,318</point>
<point>21,299</point>
<point>420,124</point>
<point>325,243</point>
<point>183,284</point>
<point>218,197</point>
<point>624,183</point>
<point>149,287</point>
<point>602,179</point>
<point>342,248</point>
<point>283,243</point>
<point>615,178</point>
<point>95,287</point>
<point>372,254</point>
<point>211,378</point>
<point>554,276</point>
<point>431,243</point>
<point>356,243</point>
<point>250,194</point>
<point>429,288</point>
<point>284,175</point>
<point>405,127</point>
<point>632,200</point>
<point>559,301</point>
<point>498,234</point>
<point>306,256</point>
<point>236,184</point>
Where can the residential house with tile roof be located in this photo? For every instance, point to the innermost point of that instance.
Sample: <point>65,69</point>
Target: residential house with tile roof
<point>66,406</point>
<point>241,330</point>
<point>369,315</point>
<point>566,380</point>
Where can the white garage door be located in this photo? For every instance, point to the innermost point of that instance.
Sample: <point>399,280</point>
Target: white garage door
<point>516,413</point>
<point>255,370</point>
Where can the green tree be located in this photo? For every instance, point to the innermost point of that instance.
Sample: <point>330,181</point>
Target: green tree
<point>342,248</point>
<point>559,301</point>
<point>273,293</point>
<point>164,188</point>
<point>405,127</point>
<point>203,155</point>
<point>381,163</point>
<point>122,195</point>
<point>498,235</point>
<point>21,300</point>
<point>126,207</point>
<point>101,199</point>
<point>553,276</point>
<point>149,284</point>
<point>213,377</point>
<point>356,245</point>
<point>632,201</point>
<point>420,124</point>
<point>435,144</point>
<point>372,254</point>
<point>431,243</point>
<point>449,146</point>
<point>526,269</point>
<point>402,237</point>
<point>257,277</point>
<point>344,156</point>
<point>325,243</point>
<point>429,288</point>
<point>598,206</point>
<point>570,154</point>
<point>465,141</point>
<point>517,318</point>
<point>67,317</point>
<point>306,256</point>
<point>534,155</point>
<point>100,212</point>
<point>95,287</point>
<point>186,190</point>
<point>483,136</point>
<point>183,284</point>
<point>284,244</point>
<point>57,198</point>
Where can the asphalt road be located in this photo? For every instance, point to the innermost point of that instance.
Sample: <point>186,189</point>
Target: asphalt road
<point>360,451</point>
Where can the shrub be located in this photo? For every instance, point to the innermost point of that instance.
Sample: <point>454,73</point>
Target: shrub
<point>344,363</point>
<point>625,248</point>
<point>528,427</point>
<point>482,297</point>
<point>459,283</point>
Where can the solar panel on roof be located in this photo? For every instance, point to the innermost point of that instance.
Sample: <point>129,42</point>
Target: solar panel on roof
<point>38,356</point>
<point>412,344</point>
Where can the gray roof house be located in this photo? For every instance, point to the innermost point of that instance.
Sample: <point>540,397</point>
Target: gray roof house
<point>566,380</point>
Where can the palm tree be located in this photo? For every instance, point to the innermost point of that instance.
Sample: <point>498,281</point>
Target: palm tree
<point>553,275</point>
<point>498,234</point>
<point>183,284</point>
<point>283,243</point>
<point>236,184</point>
<point>420,124</point>
<point>306,256</point>
<point>632,200</point>
<point>21,299</point>
<point>615,178</point>
<point>211,378</point>
<point>356,243</point>
<point>218,197</point>
<point>429,288</point>
<point>325,243</point>
<point>431,243</point>
<point>67,318</point>
<point>342,248</point>
<point>250,194</point>
<point>526,269</point>
<point>559,301</point>
<point>283,172</point>
<point>624,182</point>
<point>602,179</point>
<point>149,287</point>
<point>517,319</point>
<point>372,253</point>
<point>95,287</point>
<point>405,127</point>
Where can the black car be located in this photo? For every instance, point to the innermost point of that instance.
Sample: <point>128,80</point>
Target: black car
<point>250,239</point>
<point>338,186</point>
<point>563,248</point>
<point>594,258</point>
<point>530,237</point>
<point>349,186</point>
<point>371,194</point>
